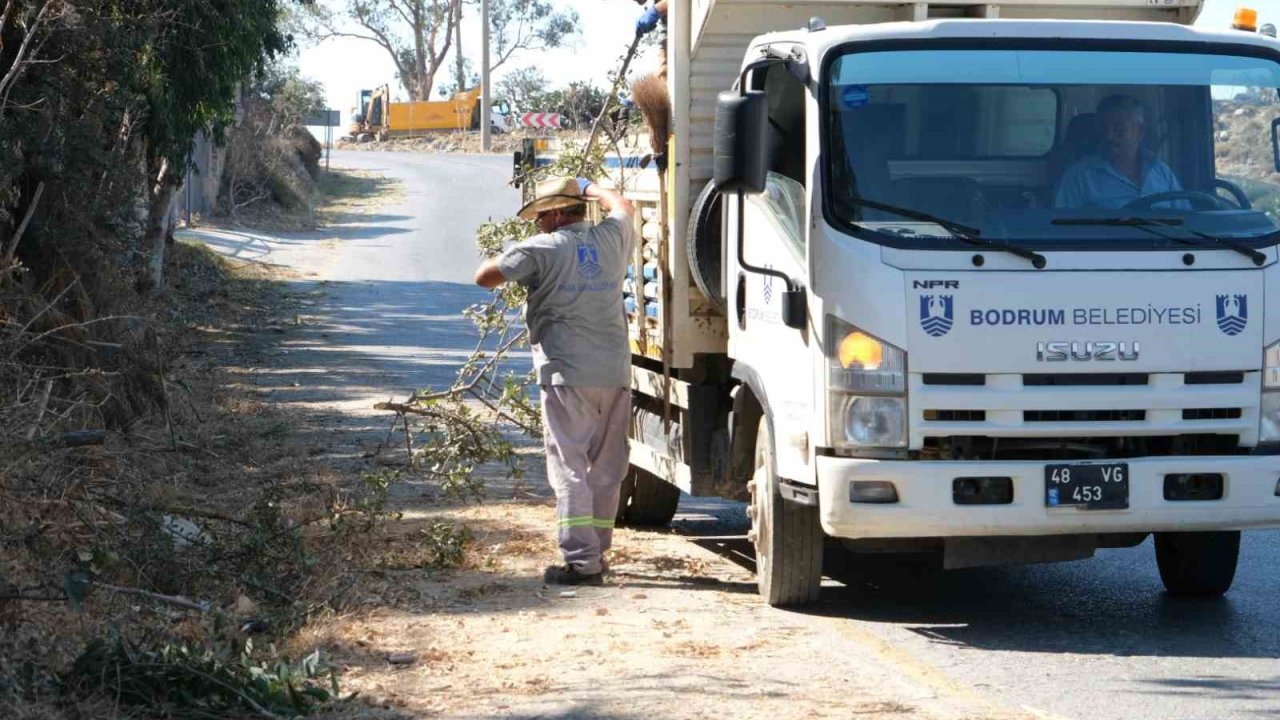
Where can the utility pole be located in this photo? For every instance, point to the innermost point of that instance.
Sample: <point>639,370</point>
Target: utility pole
<point>486,142</point>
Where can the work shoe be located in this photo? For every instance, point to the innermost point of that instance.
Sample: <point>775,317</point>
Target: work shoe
<point>569,575</point>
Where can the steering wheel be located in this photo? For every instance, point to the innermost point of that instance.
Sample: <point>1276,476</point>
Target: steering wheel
<point>1198,200</point>
<point>1237,194</point>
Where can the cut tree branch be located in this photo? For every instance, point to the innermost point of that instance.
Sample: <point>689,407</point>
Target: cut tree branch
<point>20,58</point>
<point>11,249</point>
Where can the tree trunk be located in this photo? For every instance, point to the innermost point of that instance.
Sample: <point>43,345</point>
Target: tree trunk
<point>457,41</point>
<point>417,91</point>
<point>158,218</point>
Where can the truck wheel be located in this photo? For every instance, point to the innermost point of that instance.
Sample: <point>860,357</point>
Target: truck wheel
<point>786,535</point>
<point>647,500</point>
<point>1197,563</point>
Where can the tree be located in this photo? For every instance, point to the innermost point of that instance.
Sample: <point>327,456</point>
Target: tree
<point>27,28</point>
<point>581,102</point>
<point>416,34</point>
<point>516,25</point>
<point>524,88</point>
<point>121,84</point>
<point>191,85</point>
<point>471,78</point>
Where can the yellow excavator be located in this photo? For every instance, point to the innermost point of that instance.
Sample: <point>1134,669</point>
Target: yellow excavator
<point>377,118</point>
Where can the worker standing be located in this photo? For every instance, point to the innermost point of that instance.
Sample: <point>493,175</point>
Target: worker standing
<point>574,272</point>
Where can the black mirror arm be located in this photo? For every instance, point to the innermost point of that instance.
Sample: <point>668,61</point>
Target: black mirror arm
<point>795,66</point>
<point>795,305</point>
<point>742,259</point>
<point>1275,141</point>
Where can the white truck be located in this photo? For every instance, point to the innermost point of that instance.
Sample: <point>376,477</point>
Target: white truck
<point>879,317</point>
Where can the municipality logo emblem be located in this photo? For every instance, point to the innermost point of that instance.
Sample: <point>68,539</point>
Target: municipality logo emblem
<point>588,261</point>
<point>1233,313</point>
<point>937,314</point>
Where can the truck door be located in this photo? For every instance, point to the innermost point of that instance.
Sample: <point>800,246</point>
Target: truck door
<point>775,237</point>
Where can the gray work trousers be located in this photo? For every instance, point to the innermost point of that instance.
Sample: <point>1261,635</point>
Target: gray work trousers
<point>587,457</point>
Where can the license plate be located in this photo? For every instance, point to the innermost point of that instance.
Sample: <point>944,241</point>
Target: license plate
<point>1091,487</point>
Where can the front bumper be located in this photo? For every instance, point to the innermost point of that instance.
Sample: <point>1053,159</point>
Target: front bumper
<point>925,507</point>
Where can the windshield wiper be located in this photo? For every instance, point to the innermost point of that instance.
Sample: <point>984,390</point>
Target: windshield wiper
<point>971,235</point>
<point>1150,225</point>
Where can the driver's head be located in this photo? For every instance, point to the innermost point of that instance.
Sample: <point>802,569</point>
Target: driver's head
<point>1122,124</point>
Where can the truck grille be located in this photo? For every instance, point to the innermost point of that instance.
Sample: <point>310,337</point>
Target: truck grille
<point>1084,415</point>
<point>1212,414</point>
<point>1078,448</point>
<point>1214,378</point>
<point>955,415</point>
<point>954,379</point>
<point>1101,415</point>
<point>1083,379</point>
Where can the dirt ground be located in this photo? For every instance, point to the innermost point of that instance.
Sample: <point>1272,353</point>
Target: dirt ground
<point>676,632</point>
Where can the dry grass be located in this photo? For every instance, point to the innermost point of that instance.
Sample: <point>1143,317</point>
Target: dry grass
<point>217,458</point>
<point>695,650</point>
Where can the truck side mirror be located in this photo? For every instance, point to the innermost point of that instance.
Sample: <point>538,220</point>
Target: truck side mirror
<point>1275,141</point>
<point>795,309</point>
<point>741,143</point>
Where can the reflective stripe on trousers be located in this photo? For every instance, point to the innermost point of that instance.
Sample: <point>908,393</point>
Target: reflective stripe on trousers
<point>586,442</point>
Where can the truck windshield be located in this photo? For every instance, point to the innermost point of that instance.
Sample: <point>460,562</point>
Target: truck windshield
<point>1048,148</point>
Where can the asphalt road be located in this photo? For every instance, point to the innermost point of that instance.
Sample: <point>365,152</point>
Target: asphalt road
<point>1095,639</point>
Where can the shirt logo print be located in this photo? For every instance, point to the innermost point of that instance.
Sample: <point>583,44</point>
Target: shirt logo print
<point>588,260</point>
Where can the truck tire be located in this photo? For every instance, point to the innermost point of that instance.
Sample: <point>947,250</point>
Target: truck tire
<point>1197,563</point>
<point>647,500</point>
<point>703,245</point>
<point>787,536</point>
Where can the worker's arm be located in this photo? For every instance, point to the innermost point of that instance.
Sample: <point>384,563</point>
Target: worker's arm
<point>488,275</point>
<point>649,17</point>
<point>610,200</point>
<point>519,264</point>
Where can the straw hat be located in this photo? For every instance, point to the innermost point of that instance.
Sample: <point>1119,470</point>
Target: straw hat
<point>552,194</point>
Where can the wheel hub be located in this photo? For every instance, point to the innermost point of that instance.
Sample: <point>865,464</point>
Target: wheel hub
<point>758,512</point>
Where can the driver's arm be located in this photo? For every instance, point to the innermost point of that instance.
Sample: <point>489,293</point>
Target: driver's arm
<point>1071,189</point>
<point>1165,182</point>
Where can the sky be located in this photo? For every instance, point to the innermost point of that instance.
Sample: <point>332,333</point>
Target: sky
<point>345,66</point>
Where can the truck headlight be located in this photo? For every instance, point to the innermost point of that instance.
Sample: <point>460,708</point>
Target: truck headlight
<point>859,362</point>
<point>864,422</point>
<point>867,389</point>
<point>1269,430</point>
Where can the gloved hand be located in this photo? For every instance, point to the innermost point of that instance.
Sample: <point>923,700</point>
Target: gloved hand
<point>583,184</point>
<point>648,20</point>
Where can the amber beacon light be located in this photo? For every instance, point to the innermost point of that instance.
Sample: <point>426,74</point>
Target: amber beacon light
<point>1246,19</point>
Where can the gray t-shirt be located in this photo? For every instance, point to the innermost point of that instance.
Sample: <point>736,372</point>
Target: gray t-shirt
<point>577,328</point>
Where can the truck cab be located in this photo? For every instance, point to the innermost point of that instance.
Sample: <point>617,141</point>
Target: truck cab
<point>1013,347</point>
